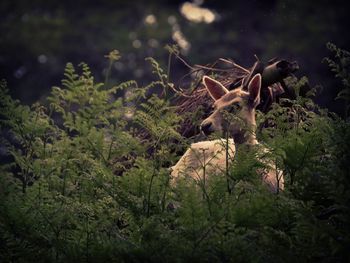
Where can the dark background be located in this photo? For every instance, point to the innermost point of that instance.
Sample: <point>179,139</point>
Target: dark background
<point>37,39</point>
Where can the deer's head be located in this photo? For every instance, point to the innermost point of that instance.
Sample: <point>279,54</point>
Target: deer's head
<point>240,103</point>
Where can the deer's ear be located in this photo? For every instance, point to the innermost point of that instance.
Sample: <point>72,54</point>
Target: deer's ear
<point>254,90</point>
<point>215,88</point>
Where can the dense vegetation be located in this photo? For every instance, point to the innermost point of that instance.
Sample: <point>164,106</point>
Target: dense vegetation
<point>88,180</point>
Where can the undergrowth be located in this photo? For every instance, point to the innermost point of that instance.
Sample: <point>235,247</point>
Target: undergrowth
<point>87,180</point>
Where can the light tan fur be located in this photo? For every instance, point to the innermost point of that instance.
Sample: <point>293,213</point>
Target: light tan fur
<point>212,154</point>
<point>203,158</point>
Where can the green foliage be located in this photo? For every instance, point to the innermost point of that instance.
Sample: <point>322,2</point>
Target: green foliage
<point>340,65</point>
<point>89,181</point>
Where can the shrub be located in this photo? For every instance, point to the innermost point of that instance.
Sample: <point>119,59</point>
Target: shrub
<point>88,180</point>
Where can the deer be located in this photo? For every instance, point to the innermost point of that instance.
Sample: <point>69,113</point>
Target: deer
<point>212,157</point>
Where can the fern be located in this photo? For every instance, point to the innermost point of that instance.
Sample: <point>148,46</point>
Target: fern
<point>86,182</point>
<point>340,65</point>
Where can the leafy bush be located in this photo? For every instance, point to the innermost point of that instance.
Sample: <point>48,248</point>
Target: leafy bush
<point>88,180</point>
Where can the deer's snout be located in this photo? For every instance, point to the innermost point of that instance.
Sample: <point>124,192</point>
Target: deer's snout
<point>207,128</point>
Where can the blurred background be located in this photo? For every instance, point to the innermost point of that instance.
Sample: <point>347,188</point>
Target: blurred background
<point>38,37</point>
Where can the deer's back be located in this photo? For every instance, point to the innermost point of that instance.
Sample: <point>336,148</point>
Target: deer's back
<point>204,157</point>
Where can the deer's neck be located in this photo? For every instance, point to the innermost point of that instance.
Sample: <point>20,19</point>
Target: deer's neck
<point>251,140</point>
<point>247,136</point>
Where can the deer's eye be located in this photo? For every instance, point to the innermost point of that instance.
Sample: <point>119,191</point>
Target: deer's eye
<point>234,108</point>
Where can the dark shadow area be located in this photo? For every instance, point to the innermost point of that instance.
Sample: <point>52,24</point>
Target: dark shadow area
<point>39,37</point>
